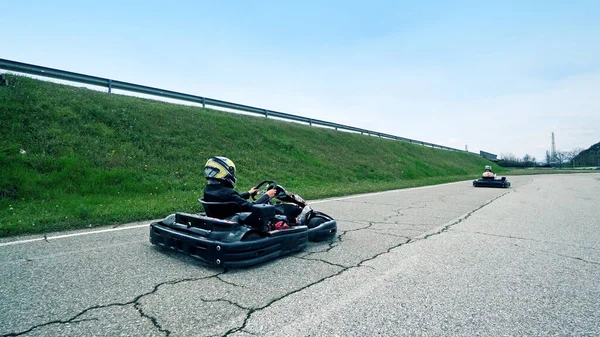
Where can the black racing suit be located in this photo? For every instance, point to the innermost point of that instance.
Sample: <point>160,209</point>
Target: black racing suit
<point>222,193</point>
<point>216,192</point>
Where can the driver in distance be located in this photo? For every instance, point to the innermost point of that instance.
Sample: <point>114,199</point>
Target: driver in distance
<point>488,172</point>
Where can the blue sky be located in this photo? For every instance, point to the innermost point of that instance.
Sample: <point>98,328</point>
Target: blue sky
<point>496,76</point>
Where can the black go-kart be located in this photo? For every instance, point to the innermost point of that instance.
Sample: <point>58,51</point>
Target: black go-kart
<point>227,237</point>
<point>491,182</point>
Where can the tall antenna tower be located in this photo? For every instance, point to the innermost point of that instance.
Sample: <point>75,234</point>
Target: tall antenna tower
<point>553,151</point>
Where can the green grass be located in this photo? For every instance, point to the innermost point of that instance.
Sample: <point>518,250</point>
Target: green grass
<point>94,159</point>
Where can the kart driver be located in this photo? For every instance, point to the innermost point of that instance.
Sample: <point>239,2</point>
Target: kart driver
<point>220,173</point>
<point>488,172</point>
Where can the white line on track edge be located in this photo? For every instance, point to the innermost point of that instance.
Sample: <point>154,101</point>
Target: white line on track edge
<point>48,238</point>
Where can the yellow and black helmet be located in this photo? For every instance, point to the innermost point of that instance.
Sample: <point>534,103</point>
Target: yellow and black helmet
<point>488,168</point>
<point>220,168</point>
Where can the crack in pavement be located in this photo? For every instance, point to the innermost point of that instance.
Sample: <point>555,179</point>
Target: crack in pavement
<point>403,224</point>
<point>444,229</point>
<point>335,243</point>
<point>351,221</point>
<point>230,283</point>
<point>226,301</point>
<point>354,230</point>
<point>135,303</point>
<point>320,260</point>
<point>359,265</point>
<point>561,255</point>
<point>85,320</point>
<point>400,213</point>
<point>367,203</point>
<point>442,197</point>
<point>397,215</point>
<point>468,215</point>
<point>153,320</point>
<point>529,239</point>
<point>354,221</point>
<point>250,333</point>
<point>253,310</point>
<point>383,232</point>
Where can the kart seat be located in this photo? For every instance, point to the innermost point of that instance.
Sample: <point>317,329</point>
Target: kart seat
<point>219,209</point>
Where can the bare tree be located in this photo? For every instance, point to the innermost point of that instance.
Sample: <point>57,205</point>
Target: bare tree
<point>562,157</point>
<point>509,157</point>
<point>509,160</point>
<point>528,160</point>
<point>570,155</point>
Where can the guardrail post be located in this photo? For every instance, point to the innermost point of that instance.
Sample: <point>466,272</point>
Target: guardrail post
<point>203,103</point>
<point>3,81</point>
<point>310,122</point>
<point>110,86</point>
<point>266,113</point>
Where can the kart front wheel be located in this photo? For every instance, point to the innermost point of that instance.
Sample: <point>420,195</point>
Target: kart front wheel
<point>252,236</point>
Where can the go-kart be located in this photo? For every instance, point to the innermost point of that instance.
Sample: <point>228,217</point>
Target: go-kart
<point>491,182</point>
<point>227,237</point>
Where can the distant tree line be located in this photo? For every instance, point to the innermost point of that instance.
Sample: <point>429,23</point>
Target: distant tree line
<point>557,159</point>
<point>562,158</point>
<point>510,160</point>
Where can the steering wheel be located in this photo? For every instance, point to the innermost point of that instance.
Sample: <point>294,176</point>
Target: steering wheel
<point>269,185</point>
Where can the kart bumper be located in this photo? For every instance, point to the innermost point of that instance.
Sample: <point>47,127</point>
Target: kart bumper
<point>322,232</point>
<point>235,254</point>
<point>500,183</point>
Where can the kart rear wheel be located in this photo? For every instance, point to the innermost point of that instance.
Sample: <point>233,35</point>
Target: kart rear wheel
<point>314,222</point>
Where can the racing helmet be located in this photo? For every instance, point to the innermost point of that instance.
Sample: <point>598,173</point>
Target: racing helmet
<point>488,168</point>
<point>220,168</point>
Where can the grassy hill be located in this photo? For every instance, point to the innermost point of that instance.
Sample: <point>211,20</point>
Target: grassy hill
<point>73,157</point>
<point>589,157</point>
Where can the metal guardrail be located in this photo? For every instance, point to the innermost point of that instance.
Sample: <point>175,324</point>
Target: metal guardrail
<point>114,84</point>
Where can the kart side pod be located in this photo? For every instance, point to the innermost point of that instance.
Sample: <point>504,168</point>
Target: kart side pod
<point>260,216</point>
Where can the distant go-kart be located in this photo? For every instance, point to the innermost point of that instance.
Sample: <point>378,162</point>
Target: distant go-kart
<point>491,182</point>
<point>227,237</point>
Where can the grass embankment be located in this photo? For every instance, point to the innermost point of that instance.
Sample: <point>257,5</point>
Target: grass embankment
<point>73,157</point>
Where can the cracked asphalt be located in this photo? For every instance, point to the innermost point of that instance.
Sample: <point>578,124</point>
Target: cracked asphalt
<point>440,260</point>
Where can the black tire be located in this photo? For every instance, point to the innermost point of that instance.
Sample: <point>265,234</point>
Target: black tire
<point>251,236</point>
<point>316,221</point>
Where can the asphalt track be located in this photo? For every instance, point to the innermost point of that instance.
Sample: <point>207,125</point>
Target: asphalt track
<point>447,260</point>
